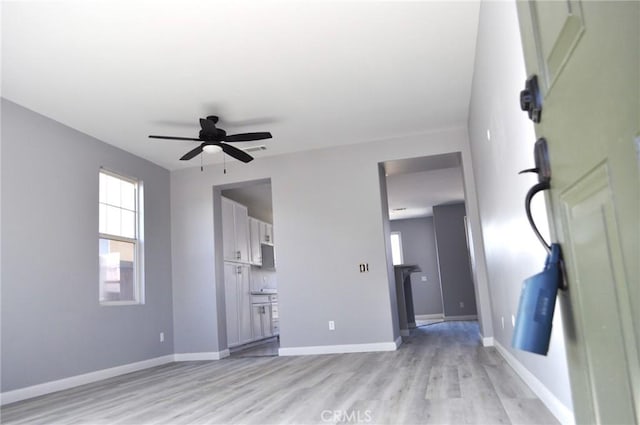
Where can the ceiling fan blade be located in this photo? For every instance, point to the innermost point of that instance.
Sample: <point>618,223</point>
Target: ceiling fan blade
<point>192,153</point>
<point>238,154</point>
<point>174,138</point>
<point>208,125</point>
<point>248,137</point>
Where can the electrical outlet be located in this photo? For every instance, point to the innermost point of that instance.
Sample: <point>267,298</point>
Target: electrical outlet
<point>424,278</point>
<point>161,336</point>
<point>502,319</point>
<point>461,304</point>
<point>364,267</point>
<point>332,325</point>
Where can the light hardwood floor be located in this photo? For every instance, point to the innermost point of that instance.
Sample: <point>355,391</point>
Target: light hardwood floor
<point>441,374</point>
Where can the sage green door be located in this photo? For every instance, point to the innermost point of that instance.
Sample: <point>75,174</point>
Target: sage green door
<point>587,57</point>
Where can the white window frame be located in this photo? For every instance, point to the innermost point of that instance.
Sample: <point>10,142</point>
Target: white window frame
<point>138,241</point>
<point>399,234</point>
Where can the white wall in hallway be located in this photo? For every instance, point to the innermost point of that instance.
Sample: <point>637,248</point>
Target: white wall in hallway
<point>502,138</point>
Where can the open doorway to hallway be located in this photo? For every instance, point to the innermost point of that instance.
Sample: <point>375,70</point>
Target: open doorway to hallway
<point>250,277</point>
<point>428,232</point>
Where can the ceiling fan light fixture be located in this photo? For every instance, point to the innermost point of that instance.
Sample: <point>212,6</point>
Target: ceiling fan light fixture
<point>211,149</point>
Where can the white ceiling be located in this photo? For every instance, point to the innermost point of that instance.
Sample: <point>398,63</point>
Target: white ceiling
<point>313,73</point>
<point>416,185</point>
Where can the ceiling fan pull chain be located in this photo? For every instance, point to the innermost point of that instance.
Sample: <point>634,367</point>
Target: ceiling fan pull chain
<point>201,167</point>
<point>224,163</point>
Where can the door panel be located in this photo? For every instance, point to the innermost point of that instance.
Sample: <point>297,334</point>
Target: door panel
<point>557,28</point>
<point>588,57</point>
<point>603,295</point>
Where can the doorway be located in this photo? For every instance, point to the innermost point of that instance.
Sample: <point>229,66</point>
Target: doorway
<point>248,246</point>
<point>428,228</point>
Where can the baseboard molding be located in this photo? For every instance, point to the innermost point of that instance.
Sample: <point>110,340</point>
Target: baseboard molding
<point>398,342</point>
<point>88,378</point>
<point>460,318</point>
<point>560,411</point>
<point>75,381</point>
<point>340,349</point>
<point>197,357</point>
<point>487,341</point>
<point>429,316</point>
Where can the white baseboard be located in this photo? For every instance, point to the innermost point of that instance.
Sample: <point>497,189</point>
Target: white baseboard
<point>560,411</point>
<point>339,349</point>
<point>195,357</point>
<point>429,316</point>
<point>461,318</point>
<point>487,341</point>
<point>88,378</point>
<point>74,381</point>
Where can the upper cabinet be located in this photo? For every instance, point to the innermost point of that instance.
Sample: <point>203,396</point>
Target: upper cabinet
<point>259,233</point>
<point>266,233</point>
<point>235,231</point>
<point>254,244</point>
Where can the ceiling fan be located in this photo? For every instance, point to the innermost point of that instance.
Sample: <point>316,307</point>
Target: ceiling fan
<point>212,136</point>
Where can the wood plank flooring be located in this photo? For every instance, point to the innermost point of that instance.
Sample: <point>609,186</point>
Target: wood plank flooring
<point>440,375</point>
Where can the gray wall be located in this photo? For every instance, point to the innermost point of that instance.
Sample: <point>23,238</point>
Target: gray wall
<point>512,252</point>
<point>453,260</point>
<point>328,218</point>
<point>52,323</point>
<point>419,247</point>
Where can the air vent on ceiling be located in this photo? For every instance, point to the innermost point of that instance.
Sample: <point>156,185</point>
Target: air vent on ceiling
<point>398,209</point>
<point>255,148</point>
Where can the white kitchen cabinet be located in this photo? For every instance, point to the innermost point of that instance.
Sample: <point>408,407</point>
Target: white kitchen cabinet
<point>256,321</point>
<point>261,321</point>
<point>254,241</point>
<point>260,233</point>
<point>266,321</point>
<point>235,231</point>
<point>266,233</point>
<point>238,303</point>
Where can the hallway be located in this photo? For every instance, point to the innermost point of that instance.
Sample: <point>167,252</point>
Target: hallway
<point>441,374</point>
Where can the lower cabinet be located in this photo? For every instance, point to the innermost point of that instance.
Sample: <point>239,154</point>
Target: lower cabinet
<point>261,320</point>
<point>238,303</point>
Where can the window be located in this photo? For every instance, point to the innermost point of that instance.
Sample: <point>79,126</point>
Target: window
<point>396,248</point>
<point>120,240</point>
